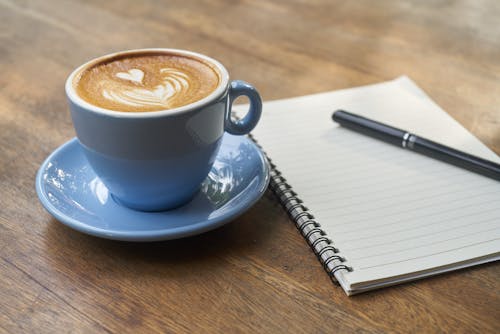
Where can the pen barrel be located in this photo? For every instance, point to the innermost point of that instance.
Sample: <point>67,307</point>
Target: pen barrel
<point>369,127</point>
<point>460,159</point>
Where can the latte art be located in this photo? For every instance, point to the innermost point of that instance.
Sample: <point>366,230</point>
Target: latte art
<point>147,83</point>
<point>133,75</point>
<point>174,82</point>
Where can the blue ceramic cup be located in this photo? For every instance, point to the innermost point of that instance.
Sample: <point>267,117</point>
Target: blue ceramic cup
<point>157,160</point>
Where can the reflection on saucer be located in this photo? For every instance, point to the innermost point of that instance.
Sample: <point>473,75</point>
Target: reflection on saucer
<point>226,175</point>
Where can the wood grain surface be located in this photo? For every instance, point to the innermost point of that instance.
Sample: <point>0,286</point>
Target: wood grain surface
<point>256,274</point>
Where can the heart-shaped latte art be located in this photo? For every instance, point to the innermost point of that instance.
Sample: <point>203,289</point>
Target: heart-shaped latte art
<point>174,82</point>
<point>133,74</point>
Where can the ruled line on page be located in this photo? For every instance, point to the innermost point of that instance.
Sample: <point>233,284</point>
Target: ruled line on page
<point>436,248</point>
<point>334,192</point>
<point>412,237</point>
<point>406,219</point>
<point>430,255</point>
<point>391,195</point>
<point>425,244</point>
<point>389,229</point>
<point>357,172</point>
<point>405,207</point>
<point>395,194</point>
<point>362,170</point>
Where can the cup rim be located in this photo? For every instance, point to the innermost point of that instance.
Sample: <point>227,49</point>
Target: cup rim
<point>217,93</point>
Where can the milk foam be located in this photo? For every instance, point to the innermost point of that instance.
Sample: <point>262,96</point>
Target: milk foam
<point>174,82</point>
<point>147,82</point>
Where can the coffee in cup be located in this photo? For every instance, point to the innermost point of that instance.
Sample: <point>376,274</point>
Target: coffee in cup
<point>150,122</point>
<point>141,82</point>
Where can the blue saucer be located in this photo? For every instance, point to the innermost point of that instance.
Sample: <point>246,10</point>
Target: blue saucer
<point>69,189</point>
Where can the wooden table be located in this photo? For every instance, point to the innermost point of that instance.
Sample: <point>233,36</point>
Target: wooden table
<point>256,274</point>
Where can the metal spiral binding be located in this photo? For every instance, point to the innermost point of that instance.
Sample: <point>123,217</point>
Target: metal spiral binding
<point>311,230</point>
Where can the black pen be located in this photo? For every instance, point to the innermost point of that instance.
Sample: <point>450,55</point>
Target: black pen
<point>420,145</point>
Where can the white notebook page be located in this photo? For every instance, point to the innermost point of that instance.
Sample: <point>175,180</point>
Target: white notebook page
<point>391,212</point>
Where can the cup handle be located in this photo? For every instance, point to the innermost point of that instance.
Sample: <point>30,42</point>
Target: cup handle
<point>247,123</point>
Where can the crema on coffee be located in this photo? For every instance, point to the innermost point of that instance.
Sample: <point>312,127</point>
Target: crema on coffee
<point>146,82</point>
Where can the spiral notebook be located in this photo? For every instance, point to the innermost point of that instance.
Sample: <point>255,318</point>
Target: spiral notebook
<point>374,214</point>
